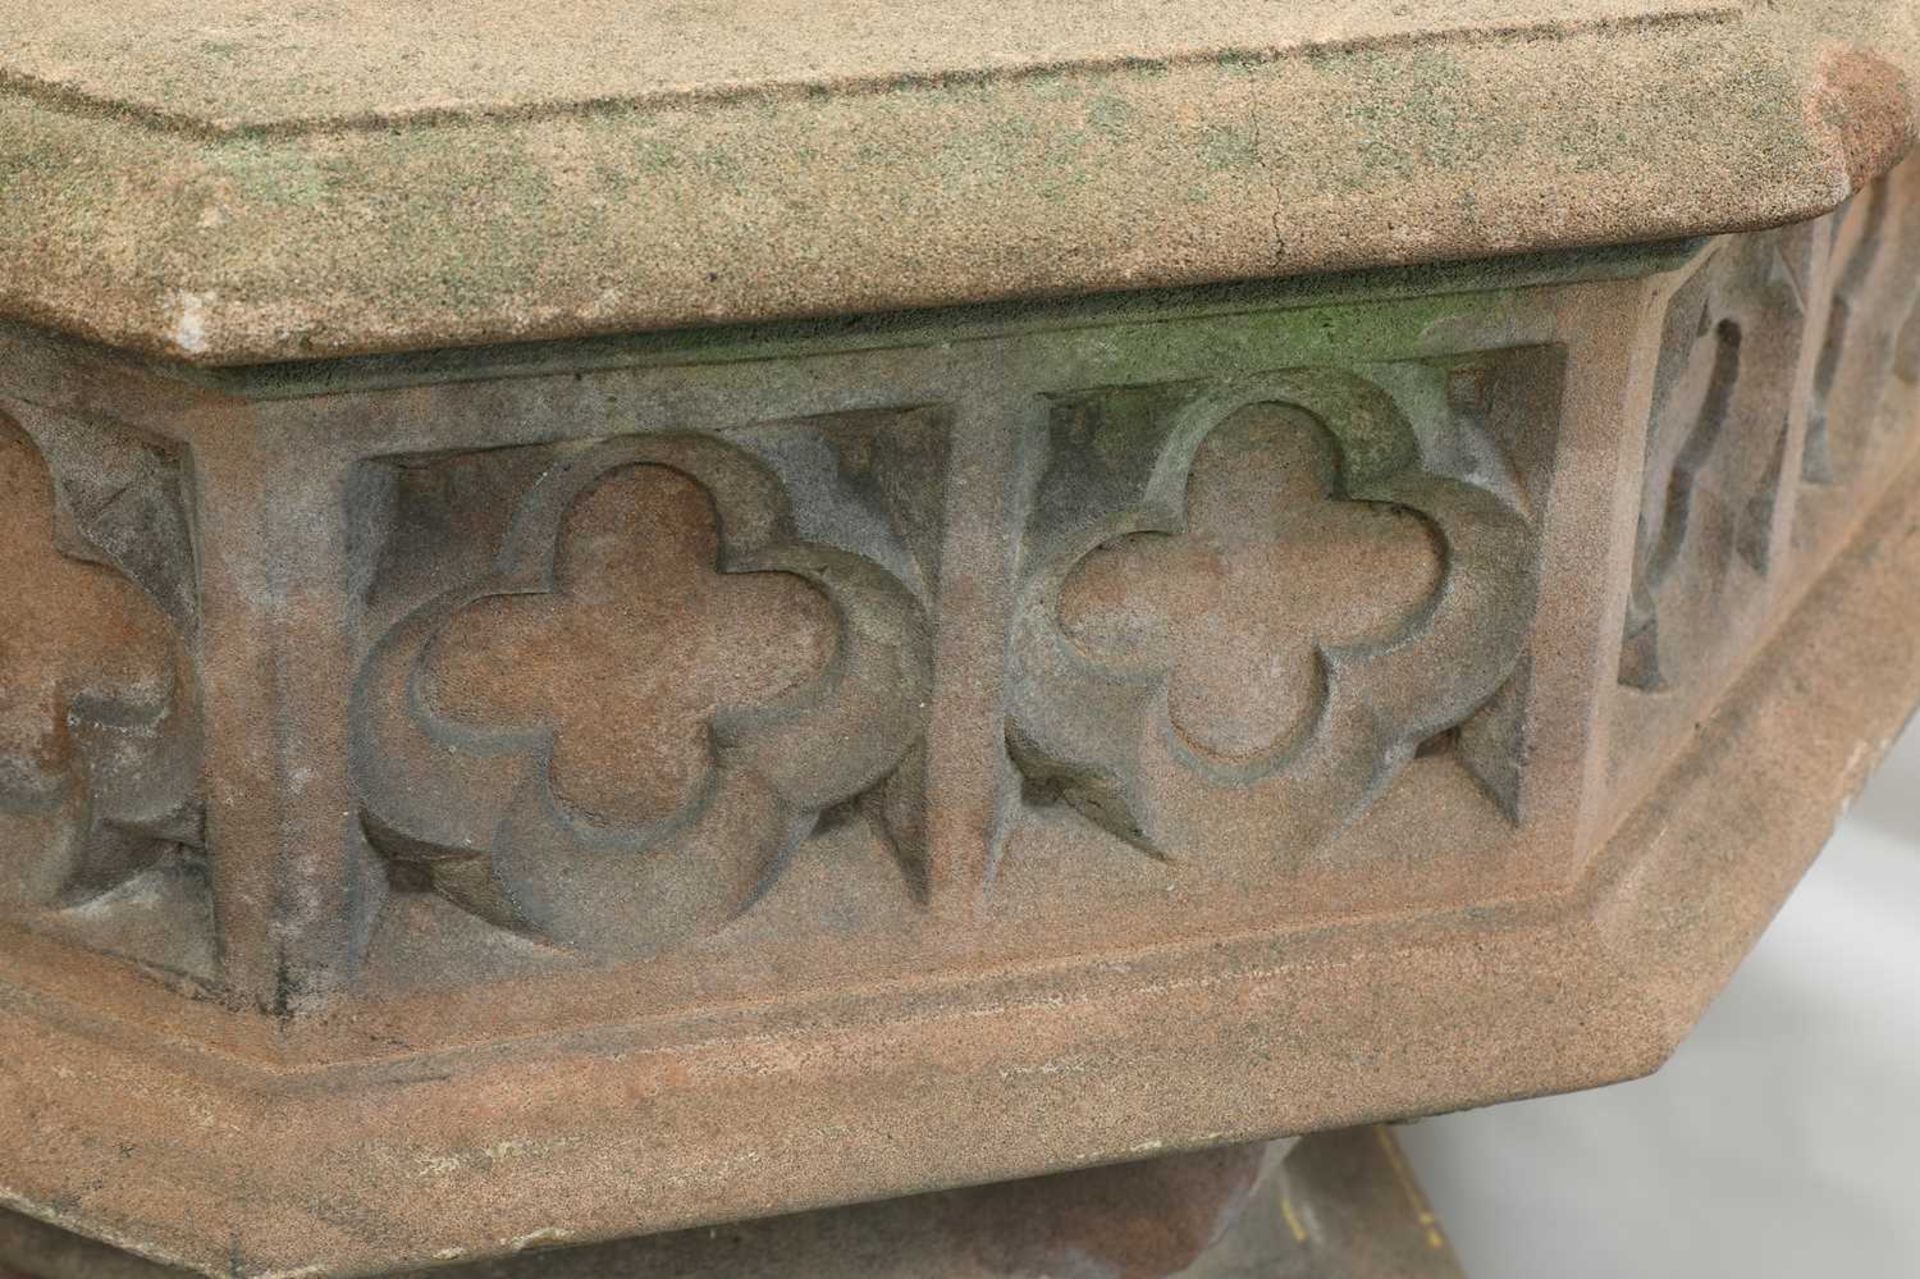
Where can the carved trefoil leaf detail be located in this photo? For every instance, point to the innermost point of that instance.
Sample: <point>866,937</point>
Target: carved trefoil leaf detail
<point>614,738</point>
<point>1248,606</point>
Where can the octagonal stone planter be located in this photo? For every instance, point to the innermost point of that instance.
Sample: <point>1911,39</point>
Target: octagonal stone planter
<point>854,606</point>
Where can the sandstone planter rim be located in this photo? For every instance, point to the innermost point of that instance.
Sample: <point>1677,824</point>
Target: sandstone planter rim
<point>263,184</point>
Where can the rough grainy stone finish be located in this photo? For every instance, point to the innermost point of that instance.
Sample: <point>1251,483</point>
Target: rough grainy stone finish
<point>1343,1205</point>
<point>275,182</point>
<point>459,801</point>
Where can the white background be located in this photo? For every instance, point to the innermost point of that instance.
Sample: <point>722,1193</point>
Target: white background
<point>1781,1142</point>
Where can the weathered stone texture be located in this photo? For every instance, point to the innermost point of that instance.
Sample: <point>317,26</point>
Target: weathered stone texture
<point>616,734</point>
<point>100,797</point>
<point>1780,410</point>
<point>548,794</point>
<point>339,177</point>
<point>1339,1205</point>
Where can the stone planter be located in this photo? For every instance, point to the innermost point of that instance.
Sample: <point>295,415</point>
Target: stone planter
<point>864,610</point>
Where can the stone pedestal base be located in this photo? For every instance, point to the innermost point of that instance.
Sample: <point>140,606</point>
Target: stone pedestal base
<point>1338,1205</point>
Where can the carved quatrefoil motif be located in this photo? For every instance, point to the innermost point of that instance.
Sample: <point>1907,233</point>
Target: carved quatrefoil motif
<point>1251,606</point>
<point>642,618</point>
<point>615,740</point>
<point>93,683</point>
<point>1239,606</point>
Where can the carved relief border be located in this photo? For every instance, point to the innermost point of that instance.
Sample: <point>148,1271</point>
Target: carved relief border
<point>638,667</point>
<point>543,777</point>
<point>504,760</point>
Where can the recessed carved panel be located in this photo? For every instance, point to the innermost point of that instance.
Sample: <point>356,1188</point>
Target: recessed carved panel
<point>1249,604</point>
<point>613,733</point>
<point>1870,318</point>
<point>1717,441</point>
<point>1867,378</point>
<point>100,821</point>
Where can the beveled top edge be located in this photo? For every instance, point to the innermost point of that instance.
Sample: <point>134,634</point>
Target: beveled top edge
<point>258,67</point>
<point>348,177</point>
